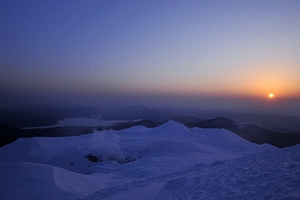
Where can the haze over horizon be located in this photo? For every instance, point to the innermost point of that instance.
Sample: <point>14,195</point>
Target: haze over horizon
<point>199,54</point>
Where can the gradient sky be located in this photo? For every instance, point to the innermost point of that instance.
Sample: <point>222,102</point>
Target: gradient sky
<point>214,54</point>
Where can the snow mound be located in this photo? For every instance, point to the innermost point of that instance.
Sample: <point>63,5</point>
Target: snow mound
<point>80,184</point>
<point>227,142</point>
<point>172,127</point>
<point>50,182</point>
<point>156,160</point>
<point>164,147</point>
<point>66,152</point>
<point>29,181</point>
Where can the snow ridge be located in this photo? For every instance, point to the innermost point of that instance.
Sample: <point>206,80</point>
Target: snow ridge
<point>166,162</point>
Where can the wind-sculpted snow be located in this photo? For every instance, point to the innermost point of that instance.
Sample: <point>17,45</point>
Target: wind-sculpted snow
<point>270,175</point>
<point>29,181</point>
<point>65,152</point>
<point>166,162</point>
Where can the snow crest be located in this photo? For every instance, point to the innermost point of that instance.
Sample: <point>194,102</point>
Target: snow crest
<point>166,162</point>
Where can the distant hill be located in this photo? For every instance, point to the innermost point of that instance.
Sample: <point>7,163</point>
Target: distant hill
<point>250,132</point>
<point>43,115</point>
<point>49,115</point>
<point>9,133</point>
<point>134,112</point>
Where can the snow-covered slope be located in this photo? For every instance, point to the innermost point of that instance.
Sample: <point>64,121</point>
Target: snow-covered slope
<point>269,175</point>
<point>137,163</point>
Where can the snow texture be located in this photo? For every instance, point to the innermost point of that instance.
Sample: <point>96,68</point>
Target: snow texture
<point>167,162</point>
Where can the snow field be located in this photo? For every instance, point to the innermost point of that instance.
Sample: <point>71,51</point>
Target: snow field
<point>270,175</point>
<point>166,162</point>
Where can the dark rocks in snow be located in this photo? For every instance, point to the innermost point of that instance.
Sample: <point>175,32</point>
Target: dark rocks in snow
<point>129,159</point>
<point>93,158</point>
<point>97,159</point>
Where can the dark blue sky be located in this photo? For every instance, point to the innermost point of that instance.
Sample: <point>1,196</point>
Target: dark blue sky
<point>179,53</point>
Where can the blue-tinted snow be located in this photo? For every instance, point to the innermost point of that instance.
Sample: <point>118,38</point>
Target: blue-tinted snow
<point>166,162</point>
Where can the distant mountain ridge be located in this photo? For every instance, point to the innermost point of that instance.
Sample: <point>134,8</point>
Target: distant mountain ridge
<point>249,132</point>
<point>49,115</point>
<point>134,112</point>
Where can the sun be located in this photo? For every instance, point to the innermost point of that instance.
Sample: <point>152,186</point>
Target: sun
<point>271,95</point>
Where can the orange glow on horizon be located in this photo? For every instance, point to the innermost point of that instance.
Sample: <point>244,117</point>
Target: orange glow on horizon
<point>262,77</point>
<point>256,81</point>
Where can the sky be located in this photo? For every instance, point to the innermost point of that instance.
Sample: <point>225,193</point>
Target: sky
<point>201,54</point>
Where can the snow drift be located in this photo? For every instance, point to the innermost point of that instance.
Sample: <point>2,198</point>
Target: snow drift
<point>162,163</point>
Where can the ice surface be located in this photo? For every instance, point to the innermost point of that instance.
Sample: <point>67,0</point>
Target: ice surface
<point>167,162</point>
